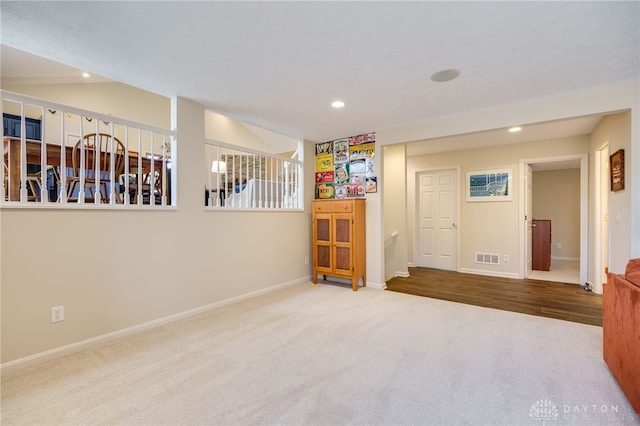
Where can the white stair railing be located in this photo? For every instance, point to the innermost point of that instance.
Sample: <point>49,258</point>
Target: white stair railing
<point>243,178</point>
<point>51,158</point>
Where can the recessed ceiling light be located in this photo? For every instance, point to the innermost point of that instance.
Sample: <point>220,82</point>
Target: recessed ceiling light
<point>515,129</point>
<point>337,104</point>
<point>86,75</point>
<point>445,75</point>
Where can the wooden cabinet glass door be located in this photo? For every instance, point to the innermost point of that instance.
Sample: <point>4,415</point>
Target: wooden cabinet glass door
<point>322,237</point>
<point>342,243</point>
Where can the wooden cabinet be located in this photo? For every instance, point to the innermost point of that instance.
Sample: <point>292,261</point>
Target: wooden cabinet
<point>339,240</point>
<point>541,242</point>
<point>11,125</point>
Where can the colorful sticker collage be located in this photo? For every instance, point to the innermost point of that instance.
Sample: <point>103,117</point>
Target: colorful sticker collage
<point>344,167</point>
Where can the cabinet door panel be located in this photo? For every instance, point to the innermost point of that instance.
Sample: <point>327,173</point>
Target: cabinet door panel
<point>322,234</point>
<point>343,260</point>
<point>323,230</point>
<point>324,257</point>
<point>343,235</point>
<point>343,229</point>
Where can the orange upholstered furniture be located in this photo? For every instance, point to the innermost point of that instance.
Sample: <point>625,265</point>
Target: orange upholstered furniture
<point>621,330</point>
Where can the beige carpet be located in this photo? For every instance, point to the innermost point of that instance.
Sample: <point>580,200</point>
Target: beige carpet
<point>327,355</point>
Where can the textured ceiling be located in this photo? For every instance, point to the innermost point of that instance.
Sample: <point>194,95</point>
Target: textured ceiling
<point>278,65</point>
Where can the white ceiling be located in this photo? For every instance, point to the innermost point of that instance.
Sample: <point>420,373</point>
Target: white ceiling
<point>278,65</point>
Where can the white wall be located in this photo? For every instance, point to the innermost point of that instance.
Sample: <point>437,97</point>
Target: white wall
<point>225,129</point>
<point>118,270</point>
<point>624,218</point>
<point>117,99</point>
<point>556,197</point>
<point>395,217</point>
<point>487,227</point>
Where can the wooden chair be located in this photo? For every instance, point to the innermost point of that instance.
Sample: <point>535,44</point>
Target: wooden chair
<point>145,187</point>
<point>33,183</point>
<point>95,149</point>
<point>39,181</point>
<point>6,180</point>
<point>34,187</point>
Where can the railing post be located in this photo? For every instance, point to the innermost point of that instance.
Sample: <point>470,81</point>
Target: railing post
<point>139,175</point>
<point>62,194</point>
<point>112,165</point>
<point>81,169</point>
<point>126,198</point>
<point>24,193</point>
<point>163,180</point>
<point>44,178</point>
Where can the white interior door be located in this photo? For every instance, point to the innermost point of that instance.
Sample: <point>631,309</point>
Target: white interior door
<point>437,215</point>
<point>528,213</point>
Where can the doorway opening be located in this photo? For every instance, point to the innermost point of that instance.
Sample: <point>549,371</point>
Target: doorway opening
<point>601,234</point>
<point>568,249</point>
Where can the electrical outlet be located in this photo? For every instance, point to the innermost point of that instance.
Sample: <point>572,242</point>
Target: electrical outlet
<point>306,260</point>
<point>558,245</point>
<point>57,314</point>
<point>505,257</point>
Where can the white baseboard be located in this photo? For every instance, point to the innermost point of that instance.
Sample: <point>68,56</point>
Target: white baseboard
<point>575,259</point>
<point>378,286</point>
<point>348,281</point>
<point>93,341</point>
<point>402,274</point>
<point>490,273</point>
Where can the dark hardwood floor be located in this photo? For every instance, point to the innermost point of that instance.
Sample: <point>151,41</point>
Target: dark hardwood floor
<point>563,301</point>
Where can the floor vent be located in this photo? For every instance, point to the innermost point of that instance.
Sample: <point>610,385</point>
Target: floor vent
<point>488,258</point>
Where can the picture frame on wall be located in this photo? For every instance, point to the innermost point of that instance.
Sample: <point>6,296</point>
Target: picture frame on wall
<point>616,169</point>
<point>489,185</point>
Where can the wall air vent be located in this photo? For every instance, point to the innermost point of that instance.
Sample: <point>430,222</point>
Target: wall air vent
<point>488,258</point>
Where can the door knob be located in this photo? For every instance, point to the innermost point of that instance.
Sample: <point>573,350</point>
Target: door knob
<point>533,226</point>
<point>455,225</point>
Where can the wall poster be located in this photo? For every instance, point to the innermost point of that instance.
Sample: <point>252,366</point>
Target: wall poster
<point>344,167</point>
<point>489,185</point>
